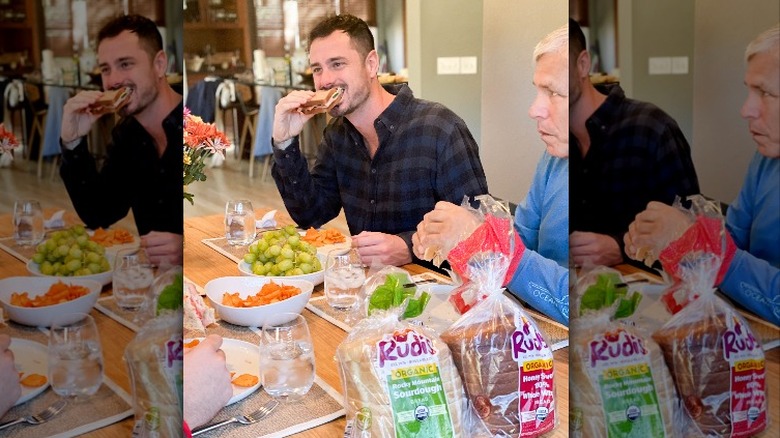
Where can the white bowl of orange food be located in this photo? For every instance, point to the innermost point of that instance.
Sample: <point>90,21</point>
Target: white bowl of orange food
<point>36,301</point>
<point>248,304</point>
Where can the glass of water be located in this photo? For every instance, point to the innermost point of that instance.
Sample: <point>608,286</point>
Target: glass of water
<point>344,277</point>
<point>133,276</point>
<point>28,222</point>
<point>287,358</point>
<point>240,222</point>
<point>75,356</point>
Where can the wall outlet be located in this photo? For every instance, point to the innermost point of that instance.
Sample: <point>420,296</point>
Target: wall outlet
<point>448,66</point>
<point>468,65</point>
<point>659,66</point>
<point>680,65</point>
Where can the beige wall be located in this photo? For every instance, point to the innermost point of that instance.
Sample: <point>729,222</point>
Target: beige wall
<point>510,143</point>
<point>722,146</point>
<point>494,103</point>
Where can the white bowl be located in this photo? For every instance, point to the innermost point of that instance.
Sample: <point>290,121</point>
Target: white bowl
<point>103,278</point>
<point>43,316</point>
<point>250,285</point>
<point>315,277</point>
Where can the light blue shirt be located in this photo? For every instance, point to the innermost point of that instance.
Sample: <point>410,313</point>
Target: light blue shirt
<point>753,278</point>
<point>542,220</point>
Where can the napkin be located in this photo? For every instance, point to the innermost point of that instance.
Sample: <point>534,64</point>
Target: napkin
<point>55,221</point>
<point>267,221</point>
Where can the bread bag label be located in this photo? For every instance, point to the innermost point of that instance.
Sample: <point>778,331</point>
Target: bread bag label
<point>407,361</point>
<point>535,385</point>
<point>747,378</point>
<point>619,364</point>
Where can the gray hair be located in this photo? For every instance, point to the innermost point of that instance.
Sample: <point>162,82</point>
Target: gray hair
<point>767,41</point>
<point>553,42</point>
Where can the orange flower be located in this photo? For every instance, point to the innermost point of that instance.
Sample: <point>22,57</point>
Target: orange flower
<point>7,141</point>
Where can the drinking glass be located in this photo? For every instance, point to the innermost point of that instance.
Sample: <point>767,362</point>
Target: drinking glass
<point>287,358</point>
<point>344,277</point>
<point>240,222</point>
<point>28,222</point>
<point>133,276</point>
<point>75,356</point>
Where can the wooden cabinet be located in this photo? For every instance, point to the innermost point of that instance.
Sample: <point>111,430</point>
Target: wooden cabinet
<point>218,28</point>
<point>21,35</point>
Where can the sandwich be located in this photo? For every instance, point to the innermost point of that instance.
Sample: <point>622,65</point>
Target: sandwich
<point>322,101</point>
<point>111,101</point>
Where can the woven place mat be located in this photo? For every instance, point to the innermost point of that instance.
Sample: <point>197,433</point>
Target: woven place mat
<point>557,335</point>
<point>109,405</point>
<point>321,405</point>
<point>110,308</point>
<point>220,245</point>
<point>23,253</point>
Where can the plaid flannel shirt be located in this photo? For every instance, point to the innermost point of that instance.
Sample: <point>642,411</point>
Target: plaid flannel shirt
<point>637,154</point>
<point>426,154</point>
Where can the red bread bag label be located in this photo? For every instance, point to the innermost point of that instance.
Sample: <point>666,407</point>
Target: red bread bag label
<point>747,378</point>
<point>536,384</point>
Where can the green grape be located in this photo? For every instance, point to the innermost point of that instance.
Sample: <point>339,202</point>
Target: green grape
<point>262,245</point>
<point>259,269</point>
<point>94,268</point>
<point>288,253</point>
<point>297,271</point>
<point>274,270</point>
<point>75,252</point>
<point>93,257</point>
<point>82,240</point>
<point>47,268</point>
<point>73,265</point>
<point>39,258</point>
<point>305,268</point>
<point>253,248</point>
<point>285,265</point>
<point>304,257</point>
<point>294,240</point>
<point>290,230</point>
<point>275,250</point>
<point>250,258</point>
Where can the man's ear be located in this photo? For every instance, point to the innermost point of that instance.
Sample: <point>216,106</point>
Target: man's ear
<point>372,63</point>
<point>160,63</point>
<point>583,64</point>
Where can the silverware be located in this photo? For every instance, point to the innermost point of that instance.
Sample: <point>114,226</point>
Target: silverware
<point>39,418</point>
<point>252,418</point>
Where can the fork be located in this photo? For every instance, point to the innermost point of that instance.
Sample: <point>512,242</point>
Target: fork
<point>39,418</point>
<point>252,418</point>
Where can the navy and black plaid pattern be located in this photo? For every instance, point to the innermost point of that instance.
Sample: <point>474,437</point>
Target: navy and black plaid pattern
<point>637,154</point>
<point>426,154</point>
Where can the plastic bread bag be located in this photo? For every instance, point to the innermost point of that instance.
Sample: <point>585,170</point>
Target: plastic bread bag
<point>619,383</point>
<point>503,358</point>
<point>715,359</point>
<point>706,233</point>
<point>399,380</point>
<point>473,259</point>
<point>155,358</point>
<point>388,287</point>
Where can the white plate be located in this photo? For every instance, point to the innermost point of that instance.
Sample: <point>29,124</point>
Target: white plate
<point>30,357</point>
<point>315,277</point>
<point>242,358</point>
<point>103,278</point>
<point>338,248</point>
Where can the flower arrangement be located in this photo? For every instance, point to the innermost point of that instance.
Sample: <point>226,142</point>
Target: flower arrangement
<point>201,140</point>
<point>7,142</point>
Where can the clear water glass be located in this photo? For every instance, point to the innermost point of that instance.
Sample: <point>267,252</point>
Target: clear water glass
<point>287,358</point>
<point>75,357</point>
<point>132,281</point>
<point>240,228</point>
<point>344,278</point>
<point>28,222</point>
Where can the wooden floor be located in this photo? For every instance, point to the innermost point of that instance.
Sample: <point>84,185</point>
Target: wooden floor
<point>230,181</point>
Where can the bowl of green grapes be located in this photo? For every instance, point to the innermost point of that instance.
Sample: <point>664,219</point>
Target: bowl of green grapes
<point>282,254</point>
<point>70,253</point>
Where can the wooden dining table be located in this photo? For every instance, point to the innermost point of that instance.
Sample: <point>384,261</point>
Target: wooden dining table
<point>202,263</point>
<point>114,337</point>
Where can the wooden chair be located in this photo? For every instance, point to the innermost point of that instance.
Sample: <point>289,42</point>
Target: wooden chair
<point>39,109</point>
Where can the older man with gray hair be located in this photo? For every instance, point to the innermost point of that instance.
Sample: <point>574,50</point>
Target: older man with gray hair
<point>750,271</point>
<point>541,277</point>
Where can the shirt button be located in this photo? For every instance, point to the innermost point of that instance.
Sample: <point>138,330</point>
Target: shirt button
<point>372,202</point>
<point>160,202</point>
<point>603,128</point>
<point>295,183</point>
<point>583,202</point>
<point>585,171</point>
<point>286,155</point>
<point>373,170</point>
<point>392,127</point>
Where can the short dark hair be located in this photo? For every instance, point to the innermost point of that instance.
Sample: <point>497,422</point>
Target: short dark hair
<point>356,28</point>
<point>148,34</point>
<point>576,39</point>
